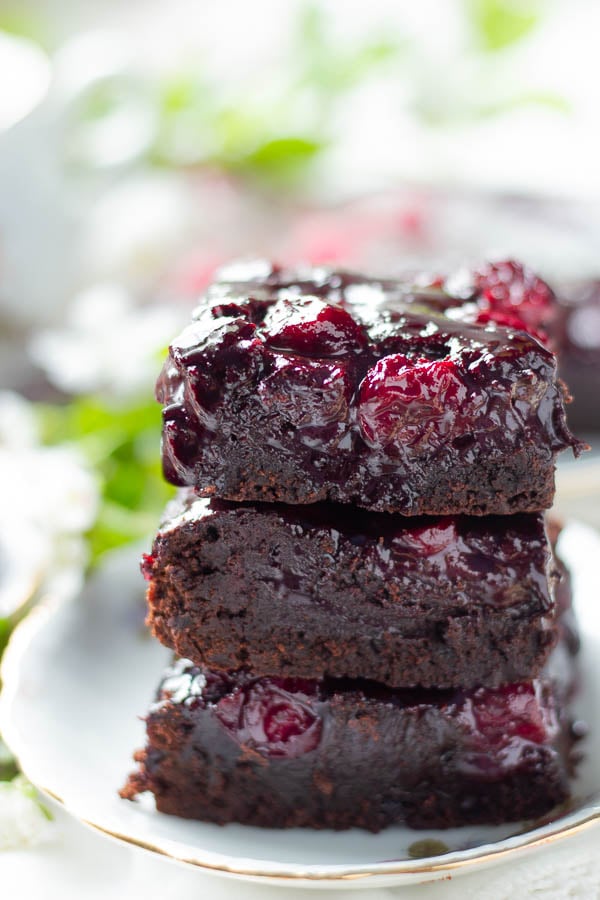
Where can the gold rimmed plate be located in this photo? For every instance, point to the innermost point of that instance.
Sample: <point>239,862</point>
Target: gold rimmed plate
<point>78,673</point>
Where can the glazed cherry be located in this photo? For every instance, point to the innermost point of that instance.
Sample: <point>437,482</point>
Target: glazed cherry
<point>508,289</point>
<point>224,357</point>
<point>511,711</point>
<point>430,539</point>
<point>312,327</point>
<point>410,403</point>
<point>249,308</point>
<point>509,320</point>
<point>311,393</point>
<point>272,716</point>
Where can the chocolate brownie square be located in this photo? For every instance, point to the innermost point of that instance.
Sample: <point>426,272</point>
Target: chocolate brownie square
<point>305,386</point>
<point>333,591</point>
<point>328,754</point>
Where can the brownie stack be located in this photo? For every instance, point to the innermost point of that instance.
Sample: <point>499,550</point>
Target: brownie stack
<point>356,575</point>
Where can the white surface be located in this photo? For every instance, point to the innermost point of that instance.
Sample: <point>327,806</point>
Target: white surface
<point>79,865</point>
<point>59,662</point>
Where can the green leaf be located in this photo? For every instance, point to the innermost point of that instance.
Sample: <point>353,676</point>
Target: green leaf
<point>271,127</point>
<point>8,764</point>
<point>237,130</point>
<point>500,23</point>
<point>5,629</point>
<point>529,98</point>
<point>333,69</point>
<point>282,157</point>
<point>181,92</point>
<point>23,24</point>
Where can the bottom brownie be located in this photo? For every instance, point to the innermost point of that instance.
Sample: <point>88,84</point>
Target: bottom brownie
<point>339,754</point>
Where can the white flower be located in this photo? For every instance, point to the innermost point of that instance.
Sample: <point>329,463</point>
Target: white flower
<point>49,500</point>
<point>137,227</point>
<point>23,820</point>
<point>108,345</point>
<point>18,427</point>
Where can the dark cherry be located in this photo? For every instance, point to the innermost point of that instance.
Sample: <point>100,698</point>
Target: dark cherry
<point>283,718</point>
<point>249,308</point>
<point>181,436</point>
<point>509,320</point>
<point>498,716</point>
<point>273,716</point>
<point>231,353</point>
<point>307,392</point>
<point>427,540</point>
<point>512,294</point>
<point>406,403</point>
<point>313,327</point>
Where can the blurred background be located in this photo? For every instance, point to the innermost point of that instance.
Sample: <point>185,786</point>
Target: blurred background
<point>144,144</point>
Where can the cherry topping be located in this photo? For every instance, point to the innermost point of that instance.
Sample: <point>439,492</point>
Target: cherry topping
<point>511,711</point>
<point>404,403</point>
<point>430,539</point>
<point>249,308</point>
<point>289,351</point>
<point>509,320</point>
<point>221,358</point>
<point>181,439</point>
<point>272,716</point>
<point>307,392</point>
<point>511,294</point>
<point>313,327</point>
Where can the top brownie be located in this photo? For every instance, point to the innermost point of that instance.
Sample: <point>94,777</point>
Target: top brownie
<point>400,396</point>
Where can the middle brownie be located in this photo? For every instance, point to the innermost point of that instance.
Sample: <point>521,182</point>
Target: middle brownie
<point>331,591</point>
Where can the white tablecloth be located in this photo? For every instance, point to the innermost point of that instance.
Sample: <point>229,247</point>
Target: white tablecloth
<point>77,864</point>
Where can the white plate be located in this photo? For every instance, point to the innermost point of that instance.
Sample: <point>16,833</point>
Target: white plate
<point>78,673</point>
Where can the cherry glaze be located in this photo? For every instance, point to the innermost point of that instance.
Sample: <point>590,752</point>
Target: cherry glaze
<point>347,375</point>
<point>284,718</point>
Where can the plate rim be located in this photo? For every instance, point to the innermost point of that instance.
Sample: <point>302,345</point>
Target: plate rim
<point>51,605</point>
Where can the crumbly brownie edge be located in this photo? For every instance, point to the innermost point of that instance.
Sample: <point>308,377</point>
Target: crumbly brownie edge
<point>459,651</point>
<point>523,482</point>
